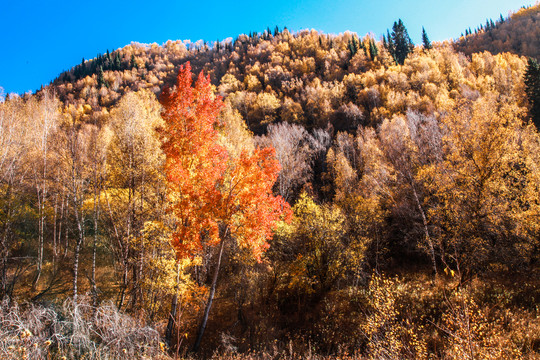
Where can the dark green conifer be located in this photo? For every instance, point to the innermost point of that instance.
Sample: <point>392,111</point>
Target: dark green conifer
<point>117,62</point>
<point>353,46</point>
<point>100,78</point>
<point>401,42</point>
<point>425,39</point>
<point>390,44</point>
<point>107,61</point>
<point>373,51</point>
<point>532,88</point>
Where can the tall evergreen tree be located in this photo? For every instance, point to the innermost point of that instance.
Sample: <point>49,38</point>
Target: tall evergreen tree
<point>402,43</point>
<point>390,46</point>
<point>353,46</point>
<point>100,78</point>
<point>373,51</point>
<point>532,88</point>
<point>117,62</point>
<point>425,39</point>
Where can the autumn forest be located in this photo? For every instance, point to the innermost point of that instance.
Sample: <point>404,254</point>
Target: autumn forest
<point>281,195</point>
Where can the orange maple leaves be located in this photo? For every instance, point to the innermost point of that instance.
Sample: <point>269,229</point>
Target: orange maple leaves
<point>208,190</point>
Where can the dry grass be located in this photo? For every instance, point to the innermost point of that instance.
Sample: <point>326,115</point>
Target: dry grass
<point>74,331</point>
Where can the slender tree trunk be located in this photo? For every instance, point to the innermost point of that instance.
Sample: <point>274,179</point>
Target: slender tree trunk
<point>60,225</point>
<point>66,242</point>
<point>41,243</point>
<point>124,283</point>
<point>174,308</point>
<point>210,296</point>
<point>137,276</point>
<point>3,250</point>
<point>55,219</point>
<point>94,249</point>
<point>41,187</point>
<point>135,285</point>
<point>4,246</point>
<point>80,227</point>
<point>426,230</point>
<point>76,269</point>
<point>4,254</point>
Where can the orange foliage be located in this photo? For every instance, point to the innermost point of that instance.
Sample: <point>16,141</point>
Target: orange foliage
<point>207,189</point>
<point>195,161</point>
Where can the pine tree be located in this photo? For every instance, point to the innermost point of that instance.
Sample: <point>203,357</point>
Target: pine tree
<point>373,51</point>
<point>401,42</point>
<point>390,46</point>
<point>532,88</point>
<point>133,63</point>
<point>107,62</point>
<point>100,78</point>
<point>353,46</point>
<point>117,62</point>
<point>425,39</point>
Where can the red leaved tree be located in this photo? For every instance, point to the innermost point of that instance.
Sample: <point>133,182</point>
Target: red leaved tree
<point>213,196</point>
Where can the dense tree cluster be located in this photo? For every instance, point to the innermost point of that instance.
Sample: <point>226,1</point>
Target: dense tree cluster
<point>532,88</point>
<point>500,35</point>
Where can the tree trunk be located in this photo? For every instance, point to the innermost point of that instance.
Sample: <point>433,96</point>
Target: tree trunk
<point>55,219</point>
<point>41,243</point>
<point>4,247</point>
<point>79,218</point>
<point>174,308</point>
<point>94,250</point>
<point>80,226</point>
<point>76,269</point>
<point>124,283</point>
<point>210,296</point>
<point>426,230</point>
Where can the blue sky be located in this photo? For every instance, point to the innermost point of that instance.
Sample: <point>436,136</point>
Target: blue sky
<point>40,39</point>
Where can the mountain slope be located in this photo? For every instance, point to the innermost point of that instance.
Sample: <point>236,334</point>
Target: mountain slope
<point>519,34</point>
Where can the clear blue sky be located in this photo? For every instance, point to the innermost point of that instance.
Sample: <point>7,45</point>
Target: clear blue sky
<point>40,39</point>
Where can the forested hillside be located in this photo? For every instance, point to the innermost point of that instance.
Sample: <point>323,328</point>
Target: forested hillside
<point>278,195</point>
<point>518,34</point>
